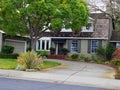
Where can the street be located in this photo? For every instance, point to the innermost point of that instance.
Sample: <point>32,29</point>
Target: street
<point>17,84</point>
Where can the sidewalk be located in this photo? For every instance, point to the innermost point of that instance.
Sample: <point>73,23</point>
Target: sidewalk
<point>75,73</point>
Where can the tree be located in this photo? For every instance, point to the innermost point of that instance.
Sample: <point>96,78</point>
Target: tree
<point>34,17</point>
<point>110,8</point>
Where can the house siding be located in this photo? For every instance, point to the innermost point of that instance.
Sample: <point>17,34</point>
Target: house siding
<point>0,41</point>
<point>84,46</point>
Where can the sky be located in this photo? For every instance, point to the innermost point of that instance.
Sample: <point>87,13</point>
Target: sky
<point>101,4</point>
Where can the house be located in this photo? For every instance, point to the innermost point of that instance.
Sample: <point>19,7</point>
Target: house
<point>19,43</point>
<point>86,41</point>
<point>115,38</point>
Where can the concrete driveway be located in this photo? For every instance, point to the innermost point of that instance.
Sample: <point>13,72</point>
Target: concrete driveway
<point>83,69</point>
<point>77,73</point>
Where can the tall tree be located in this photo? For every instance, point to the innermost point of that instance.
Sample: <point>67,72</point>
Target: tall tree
<point>110,7</point>
<point>34,17</point>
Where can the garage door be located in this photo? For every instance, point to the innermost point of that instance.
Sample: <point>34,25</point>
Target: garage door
<point>19,46</point>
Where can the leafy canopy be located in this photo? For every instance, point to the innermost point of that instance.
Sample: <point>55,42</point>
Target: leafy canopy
<point>20,16</point>
<point>33,17</point>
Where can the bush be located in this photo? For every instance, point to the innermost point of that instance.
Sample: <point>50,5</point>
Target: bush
<point>101,52</point>
<point>65,51</point>
<point>52,50</point>
<point>82,56</point>
<point>109,51</point>
<point>115,62</point>
<point>75,56</point>
<point>106,53</point>
<point>29,60</point>
<point>10,56</point>
<point>7,49</point>
<point>42,53</point>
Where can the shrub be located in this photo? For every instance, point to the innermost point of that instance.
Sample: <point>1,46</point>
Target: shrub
<point>106,53</point>
<point>101,52</point>
<point>82,56</point>
<point>11,56</point>
<point>29,60</point>
<point>109,51</point>
<point>52,50</point>
<point>115,62</point>
<point>42,53</point>
<point>65,51</point>
<point>7,49</point>
<point>75,56</point>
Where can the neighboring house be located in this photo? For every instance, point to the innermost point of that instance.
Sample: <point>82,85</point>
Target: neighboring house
<point>86,41</point>
<point>19,43</point>
<point>115,38</point>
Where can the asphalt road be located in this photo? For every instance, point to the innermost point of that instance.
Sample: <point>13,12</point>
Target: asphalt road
<point>17,84</point>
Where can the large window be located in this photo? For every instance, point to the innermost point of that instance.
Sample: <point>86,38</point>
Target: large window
<point>94,45</point>
<point>43,44</point>
<point>74,46</point>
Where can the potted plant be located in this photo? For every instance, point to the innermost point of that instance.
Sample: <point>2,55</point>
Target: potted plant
<point>65,51</point>
<point>52,50</point>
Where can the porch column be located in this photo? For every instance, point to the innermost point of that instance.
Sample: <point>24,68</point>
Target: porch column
<point>56,48</point>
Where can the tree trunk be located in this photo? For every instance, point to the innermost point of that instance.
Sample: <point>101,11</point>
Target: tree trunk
<point>33,44</point>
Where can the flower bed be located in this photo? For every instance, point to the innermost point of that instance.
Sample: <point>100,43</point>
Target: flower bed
<point>63,57</point>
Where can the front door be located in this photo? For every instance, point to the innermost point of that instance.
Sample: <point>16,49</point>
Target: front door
<point>60,46</point>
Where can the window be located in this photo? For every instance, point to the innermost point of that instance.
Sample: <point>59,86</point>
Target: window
<point>43,43</point>
<point>38,44</point>
<point>94,45</point>
<point>47,44</point>
<point>88,28</point>
<point>74,46</point>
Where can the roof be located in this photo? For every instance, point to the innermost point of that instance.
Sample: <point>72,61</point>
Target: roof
<point>2,31</point>
<point>115,36</point>
<point>101,30</point>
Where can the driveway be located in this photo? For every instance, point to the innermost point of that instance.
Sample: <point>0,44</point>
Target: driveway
<point>83,69</point>
<point>76,73</point>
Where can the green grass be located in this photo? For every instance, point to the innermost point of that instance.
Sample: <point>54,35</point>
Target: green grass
<point>49,64</point>
<point>8,63</point>
<point>12,64</point>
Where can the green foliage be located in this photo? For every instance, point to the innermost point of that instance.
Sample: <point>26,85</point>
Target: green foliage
<point>29,60</point>
<point>8,64</point>
<point>75,56</point>
<point>32,16</point>
<point>52,50</point>
<point>106,52</point>
<point>7,49</point>
<point>101,51</point>
<point>82,56</point>
<point>115,62</point>
<point>65,51</point>
<point>12,55</point>
<point>49,64</point>
<point>109,51</point>
<point>42,53</point>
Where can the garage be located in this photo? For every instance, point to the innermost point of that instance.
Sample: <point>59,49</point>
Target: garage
<point>19,46</point>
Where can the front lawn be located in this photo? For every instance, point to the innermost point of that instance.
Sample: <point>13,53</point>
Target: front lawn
<point>49,64</point>
<point>8,63</point>
<point>12,64</point>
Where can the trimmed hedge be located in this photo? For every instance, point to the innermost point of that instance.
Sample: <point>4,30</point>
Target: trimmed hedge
<point>7,49</point>
<point>11,56</point>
